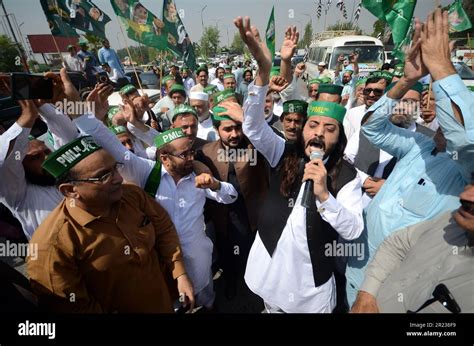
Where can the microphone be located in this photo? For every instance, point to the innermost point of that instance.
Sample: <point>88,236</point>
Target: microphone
<point>308,195</point>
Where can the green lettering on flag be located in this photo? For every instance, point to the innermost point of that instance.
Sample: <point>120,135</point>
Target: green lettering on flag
<point>270,33</point>
<point>457,17</point>
<point>141,25</point>
<point>66,16</point>
<point>178,39</point>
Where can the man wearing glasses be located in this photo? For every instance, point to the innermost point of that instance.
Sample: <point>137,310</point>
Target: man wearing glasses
<point>413,261</point>
<point>172,181</point>
<point>101,249</point>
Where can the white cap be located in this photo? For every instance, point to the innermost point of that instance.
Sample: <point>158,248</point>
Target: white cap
<point>197,95</point>
<point>322,63</point>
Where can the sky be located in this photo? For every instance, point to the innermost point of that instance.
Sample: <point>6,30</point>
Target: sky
<point>31,19</point>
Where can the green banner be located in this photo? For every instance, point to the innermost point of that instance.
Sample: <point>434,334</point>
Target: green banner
<point>178,39</point>
<point>66,16</point>
<point>270,33</point>
<point>457,17</point>
<point>141,25</point>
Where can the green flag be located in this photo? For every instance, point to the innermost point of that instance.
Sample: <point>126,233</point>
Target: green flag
<point>64,16</point>
<point>178,39</point>
<point>398,15</point>
<point>141,25</point>
<point>270,33</point>
<point>457,17</point>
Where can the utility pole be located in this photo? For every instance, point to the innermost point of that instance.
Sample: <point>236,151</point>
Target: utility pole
<point>25,64</point>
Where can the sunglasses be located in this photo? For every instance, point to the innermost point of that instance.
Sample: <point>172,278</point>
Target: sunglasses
<point>377,92</point>
<point>442,294</point>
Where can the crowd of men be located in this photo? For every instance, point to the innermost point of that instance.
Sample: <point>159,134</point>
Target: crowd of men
<point>241,192</point>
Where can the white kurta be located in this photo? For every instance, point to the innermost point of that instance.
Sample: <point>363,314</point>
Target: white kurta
<point>352,120</point>
<point>183,201</point>
<point>285,279</point>
<point>207,131</point>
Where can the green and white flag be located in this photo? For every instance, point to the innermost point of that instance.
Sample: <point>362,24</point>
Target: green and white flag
<point>398,14</point>
<point>141,25</point>
<point>66,16</point>
<point>457,17</point>
<point>178,39</point>
<point>270,33</point>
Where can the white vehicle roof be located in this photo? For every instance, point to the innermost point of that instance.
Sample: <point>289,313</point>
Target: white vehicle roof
<point>351,40</point>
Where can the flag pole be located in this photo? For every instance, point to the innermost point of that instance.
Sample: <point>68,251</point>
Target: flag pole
<point>130,56</point>
<point>429,95</point>
<point>59,52</point>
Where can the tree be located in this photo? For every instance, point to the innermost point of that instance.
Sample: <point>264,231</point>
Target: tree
<point>345,26</point>
<point>308,35</point>
<point>379,28</point>
<point>10,58</point>
<point>237,45</point>
<point>95,42</point>
<point>210,41</point>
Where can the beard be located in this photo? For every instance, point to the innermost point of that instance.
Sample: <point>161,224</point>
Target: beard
<point>44,179</point>
<point>183,170</point>
<point>401,120</point>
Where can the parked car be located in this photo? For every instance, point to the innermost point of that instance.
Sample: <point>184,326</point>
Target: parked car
<point>150,80</point>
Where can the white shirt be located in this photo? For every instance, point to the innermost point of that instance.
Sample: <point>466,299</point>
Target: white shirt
<point>352,120</point>
<point>217,82</point>
<point>73,63</point>
<point>432,125</point>
<point>188,84</point>
<point>166,102</point>
<point>115,75</point>
<point>207,131</point>
<point>183,201</point>
<point>286,278</point>
<point>30,203</point>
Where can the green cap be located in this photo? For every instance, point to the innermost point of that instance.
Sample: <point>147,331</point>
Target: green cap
<point>325,80</point>
<point>275,71</point>
<point>227,67</point>
<point>471,88</point>
<point>382,74</point>
<point>177,88</point>
<point>223,95</point>
<point>327,109</point>
<point>167,78</point>
<point>361,81</point>
<point>112,111</point>
<point>314,81</point>
<point>31,138</point>
<point>211,89</point>
<point>118,130</point>
<point>183,109</point>
<point>229,75</point>
<point>398,70</point>
<point>69,46</point>
<point>221,117</point>
<point>295,106</point>
<point>168,136</point>
<point>62,160</point>
<point>418,87</point>
<point>330,89</point>
<point>82,40</point>
<point>127,89</point>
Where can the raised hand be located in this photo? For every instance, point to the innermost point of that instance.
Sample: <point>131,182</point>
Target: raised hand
<point>278,84</point>
<point>234,110</point>
<point>206,181</point>
<point>414,65</point>
<point>97,100</point>
<point>288,47</point>
<point>29,113</point>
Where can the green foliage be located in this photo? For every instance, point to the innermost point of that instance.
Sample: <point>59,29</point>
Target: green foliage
<point>345,26</point>
<point>10,60</point>
<point>308,34</point>
<point>210,41</point>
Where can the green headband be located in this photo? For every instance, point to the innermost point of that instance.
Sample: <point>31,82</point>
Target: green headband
<point>218,109</point>
<point>330,89</point>
<point>112,111</point>
<point>201,68</point>
<point>314,81</point>
<point>229,75</point>
<point>167,78</point>
<point>183,109</point>
<point>127,89</point>
<point>223,95</point>
<point>168,136</point>
<point>62,160</point>
<point>177,88</point>
<point>325,80</point>
<point>118,130</point>
<point>210,89</point>
<point>327,109</point>
<point>295,106</point>
<point>361,81</point>
<point>382,74</point>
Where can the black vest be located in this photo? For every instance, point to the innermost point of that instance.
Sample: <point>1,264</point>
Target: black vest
<point>367,158</point>
<point>276,209</point>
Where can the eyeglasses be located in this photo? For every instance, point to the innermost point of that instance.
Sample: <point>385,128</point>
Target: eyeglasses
<point>103,179</point>
<point>185,155</point>
<point>377,92</point>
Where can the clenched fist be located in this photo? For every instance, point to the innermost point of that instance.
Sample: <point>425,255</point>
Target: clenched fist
<point>207,181</point>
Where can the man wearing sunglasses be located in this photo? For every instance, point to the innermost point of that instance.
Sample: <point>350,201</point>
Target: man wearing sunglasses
<point>174,181</point>
<point>101,249</point>
<point>430,172</point>
<point>413,261</point>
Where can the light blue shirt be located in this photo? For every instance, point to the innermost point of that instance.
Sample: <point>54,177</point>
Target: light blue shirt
<point>422,185</point>
<point>110,57</point>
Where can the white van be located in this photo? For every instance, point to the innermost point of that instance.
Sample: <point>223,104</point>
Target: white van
<point>370,49</point>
